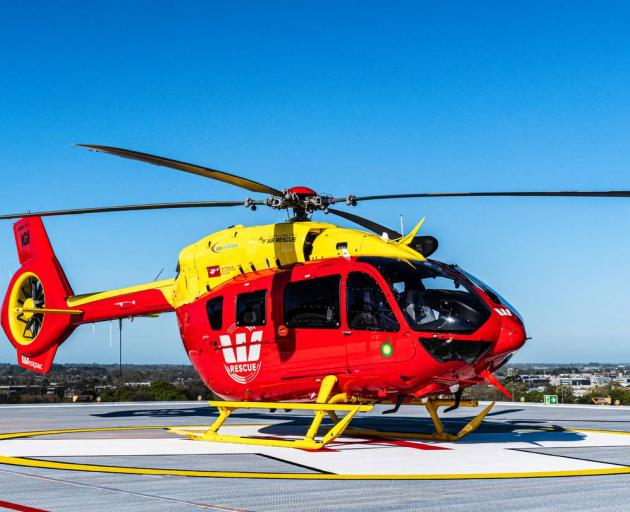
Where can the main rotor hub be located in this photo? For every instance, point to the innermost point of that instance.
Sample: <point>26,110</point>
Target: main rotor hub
<point>301,191</point>
<point>302,200</point>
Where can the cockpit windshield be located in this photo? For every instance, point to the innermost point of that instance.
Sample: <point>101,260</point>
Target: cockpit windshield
<point>430,298</point>
<point>493,294</point>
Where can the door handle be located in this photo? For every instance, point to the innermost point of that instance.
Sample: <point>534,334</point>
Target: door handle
<point>346,333</point>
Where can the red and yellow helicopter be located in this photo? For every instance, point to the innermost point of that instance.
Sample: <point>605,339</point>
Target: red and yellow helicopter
<point>300,315</point>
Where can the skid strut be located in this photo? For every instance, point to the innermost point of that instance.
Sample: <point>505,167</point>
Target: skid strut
<point>329,405</point>
<point>321,407</point>
<point>439,434</point>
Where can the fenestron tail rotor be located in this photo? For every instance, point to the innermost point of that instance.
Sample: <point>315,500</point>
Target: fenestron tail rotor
<point>26,304</point>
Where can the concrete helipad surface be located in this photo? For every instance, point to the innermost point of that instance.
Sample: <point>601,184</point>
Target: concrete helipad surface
<point>108,456</point>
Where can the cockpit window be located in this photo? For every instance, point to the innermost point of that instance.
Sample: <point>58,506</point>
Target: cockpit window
<point>493,294</point>
<point>430,298</point>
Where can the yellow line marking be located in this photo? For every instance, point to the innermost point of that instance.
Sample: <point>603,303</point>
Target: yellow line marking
<point>16,435</point>
<point>595,431</point>
<point>97,468</point>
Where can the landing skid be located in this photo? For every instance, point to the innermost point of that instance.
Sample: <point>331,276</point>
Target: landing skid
<point>439,434</point>
<point>330,405</point>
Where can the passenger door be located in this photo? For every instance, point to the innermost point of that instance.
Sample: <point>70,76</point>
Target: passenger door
<point>373,333</point>
<point>313,344</point>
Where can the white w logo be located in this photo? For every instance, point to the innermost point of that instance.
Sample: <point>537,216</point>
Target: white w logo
<point>240,355</point>
<point>503,311</point>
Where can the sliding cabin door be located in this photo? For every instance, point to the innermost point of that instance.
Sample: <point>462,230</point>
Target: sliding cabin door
<point>312,342</point>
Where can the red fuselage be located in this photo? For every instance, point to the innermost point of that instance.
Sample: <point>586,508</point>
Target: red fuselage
<point>383,329</point>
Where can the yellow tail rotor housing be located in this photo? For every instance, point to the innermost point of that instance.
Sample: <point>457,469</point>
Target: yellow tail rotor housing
<point>27,296</point>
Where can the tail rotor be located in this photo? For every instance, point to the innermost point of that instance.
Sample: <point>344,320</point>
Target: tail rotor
<point>27,307</point>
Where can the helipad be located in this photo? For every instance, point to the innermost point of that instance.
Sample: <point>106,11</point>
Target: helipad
<point>119,449</point>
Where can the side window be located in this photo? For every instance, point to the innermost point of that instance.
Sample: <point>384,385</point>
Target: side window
<point>214,308</point>
<point>250,308</point>
<point>367,307</point>
<point>313,303</point>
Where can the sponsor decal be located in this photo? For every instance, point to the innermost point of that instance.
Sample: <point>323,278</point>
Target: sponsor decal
<point>125,304</point>
<point>220,247</point>
<point>33,364</point>
<point>503,311</point>
<point>241,353</point>
<point>25,238</point>
<point>214,271</point>
<point>277,240</point>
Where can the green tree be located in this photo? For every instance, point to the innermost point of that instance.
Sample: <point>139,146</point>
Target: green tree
<point>534,396</point>
<point>518,389</point>
<point>160,391</point>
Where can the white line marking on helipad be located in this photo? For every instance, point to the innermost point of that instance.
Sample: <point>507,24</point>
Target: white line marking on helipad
<point>479,453</point>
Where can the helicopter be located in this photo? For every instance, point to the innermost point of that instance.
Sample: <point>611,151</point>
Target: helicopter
<point>296,315</point>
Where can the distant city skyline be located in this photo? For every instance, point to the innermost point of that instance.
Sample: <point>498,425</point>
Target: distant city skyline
<point>348,98</point>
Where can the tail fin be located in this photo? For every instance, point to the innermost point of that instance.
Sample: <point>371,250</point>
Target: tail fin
<point>39,283</point>
<point>40,310</point>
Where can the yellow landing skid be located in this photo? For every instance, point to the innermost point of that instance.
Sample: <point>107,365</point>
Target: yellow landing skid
<point>327,405</point>
<point>309,442</point>
<point>440,434</point>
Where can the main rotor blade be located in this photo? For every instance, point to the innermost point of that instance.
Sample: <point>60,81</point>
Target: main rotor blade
<point>206,172</point>
<point>126,208</point>
<point>366,223</point>
<point>612,193</point>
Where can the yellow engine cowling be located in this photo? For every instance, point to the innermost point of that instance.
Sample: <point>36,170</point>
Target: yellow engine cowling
<point>238,250</point>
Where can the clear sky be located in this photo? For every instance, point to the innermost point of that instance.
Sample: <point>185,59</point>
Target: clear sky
<point>354,97</point>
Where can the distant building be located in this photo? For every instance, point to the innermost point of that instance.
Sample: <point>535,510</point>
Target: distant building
<point>535,381</point>
<point>624,381</point>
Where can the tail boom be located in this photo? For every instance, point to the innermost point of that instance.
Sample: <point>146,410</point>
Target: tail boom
<point>143,300</point>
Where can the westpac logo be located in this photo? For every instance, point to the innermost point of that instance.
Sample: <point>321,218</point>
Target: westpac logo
<point>241,353</point>
<point>503,311</point>
<point>27,361</point>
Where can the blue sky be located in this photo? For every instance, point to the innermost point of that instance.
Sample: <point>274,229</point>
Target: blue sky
<point>345,97</point>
